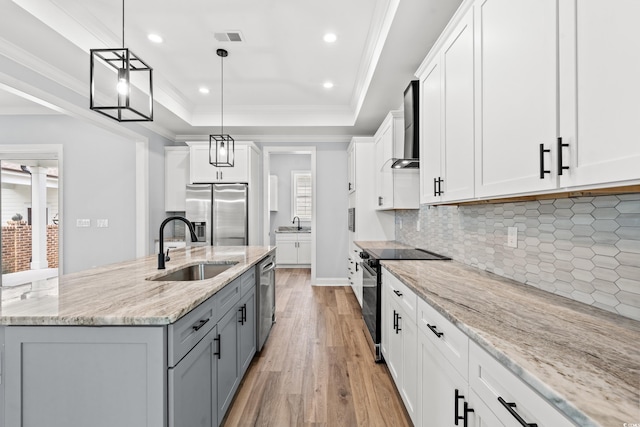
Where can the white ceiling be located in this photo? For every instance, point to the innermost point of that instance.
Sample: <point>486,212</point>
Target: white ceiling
<point>273,80</point>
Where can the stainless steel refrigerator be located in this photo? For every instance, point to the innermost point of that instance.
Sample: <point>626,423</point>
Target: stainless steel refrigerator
<point>219,213</point>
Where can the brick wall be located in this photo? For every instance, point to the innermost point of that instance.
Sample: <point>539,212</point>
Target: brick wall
<point>16,247</point>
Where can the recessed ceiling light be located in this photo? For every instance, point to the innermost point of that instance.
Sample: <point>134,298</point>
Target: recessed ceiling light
<point>155,38</point>
<point>204,90</point>
<point>330,37</point>
<point>328,85</point>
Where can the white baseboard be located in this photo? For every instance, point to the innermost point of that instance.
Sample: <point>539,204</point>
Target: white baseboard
<point>331,281</point>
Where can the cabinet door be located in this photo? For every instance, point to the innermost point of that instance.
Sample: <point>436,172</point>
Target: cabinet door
<point>200,170</point>
<point>228,366</point>
<point>430,128</point>
<point>386,323</point>
<point>600,93</point>
<point>240,170</point>
<point>438,382</point>
<point>394,348</point>
<point>482,415</point>
<point>304,251</point>
<point>409,367</point>
<point>286,251</point>
<point>192,386</point>
<point>176,178</point>
<point>459,120</point>
<point>351,169</point>
<point>517,62</point>
<point>247,311</point>
<point>384,175</point>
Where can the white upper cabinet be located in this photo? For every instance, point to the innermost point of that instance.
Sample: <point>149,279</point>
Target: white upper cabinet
<point>395,188</point>
<point>517,68</point>
<point>384,140</point>
<point>176,178</point>
<point>447,118</point>
<point>203,172</point>
<point>600,92</point>
<point>351,168</point>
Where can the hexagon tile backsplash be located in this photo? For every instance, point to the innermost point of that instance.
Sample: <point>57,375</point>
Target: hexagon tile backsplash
<point>584,248</point>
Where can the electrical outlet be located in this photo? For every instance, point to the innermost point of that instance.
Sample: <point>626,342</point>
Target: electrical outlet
<point>102,223</point>
<point>418,225</point>
<point>83,223</point>
<point>512,237</point>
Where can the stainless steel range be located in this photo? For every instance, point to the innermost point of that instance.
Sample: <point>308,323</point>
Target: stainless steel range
<point>372,286</point>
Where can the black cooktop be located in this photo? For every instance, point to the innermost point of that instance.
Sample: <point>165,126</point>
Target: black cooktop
<point>405,254</point>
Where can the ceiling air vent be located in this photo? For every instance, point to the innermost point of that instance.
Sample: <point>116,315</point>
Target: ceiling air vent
<point>229,36</point>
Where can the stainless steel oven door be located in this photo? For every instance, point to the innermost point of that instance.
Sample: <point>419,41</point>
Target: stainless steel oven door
<point>371,305</point>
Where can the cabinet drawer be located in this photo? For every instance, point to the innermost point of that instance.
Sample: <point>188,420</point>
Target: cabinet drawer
<point>227,298</point>
<point>286,237</point>
<point>453,343</point>
<point>184,334</point>
<point>401,293</point>
<point>247,281</point>
<point>493,381</point>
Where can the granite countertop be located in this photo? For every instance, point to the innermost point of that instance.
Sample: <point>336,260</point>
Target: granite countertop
<point>584,360</point>
<point>120,294</point>
<point>292,229</point>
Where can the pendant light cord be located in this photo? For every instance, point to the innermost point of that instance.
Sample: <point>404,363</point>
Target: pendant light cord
<point>123,24</point>
<point>222,95</point>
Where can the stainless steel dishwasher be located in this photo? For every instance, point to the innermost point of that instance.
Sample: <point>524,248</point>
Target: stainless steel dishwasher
<point>266,286</point>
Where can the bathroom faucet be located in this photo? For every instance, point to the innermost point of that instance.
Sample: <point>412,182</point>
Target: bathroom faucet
<point>194,238</point>
<point>294,221</point>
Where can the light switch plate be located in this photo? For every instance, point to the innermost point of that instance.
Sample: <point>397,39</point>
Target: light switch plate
<point>512,237</point>
<point>102,223</point>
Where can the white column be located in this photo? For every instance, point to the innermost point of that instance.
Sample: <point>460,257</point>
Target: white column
<point>38,218</point>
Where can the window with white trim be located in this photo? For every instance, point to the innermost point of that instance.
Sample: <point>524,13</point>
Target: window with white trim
<point>301,194</point>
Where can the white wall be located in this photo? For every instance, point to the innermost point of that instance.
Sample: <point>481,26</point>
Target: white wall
<point>281,165</point>
<point>98,176</point>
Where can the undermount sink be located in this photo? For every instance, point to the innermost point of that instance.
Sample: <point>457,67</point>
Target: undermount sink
<point>200,271</point>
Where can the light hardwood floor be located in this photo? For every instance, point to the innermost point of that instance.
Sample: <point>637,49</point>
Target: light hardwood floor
<point>316,368</point>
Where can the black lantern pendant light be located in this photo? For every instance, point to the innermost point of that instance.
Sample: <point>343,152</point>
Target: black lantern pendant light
<point>121,84</point>
<point>221,146</point>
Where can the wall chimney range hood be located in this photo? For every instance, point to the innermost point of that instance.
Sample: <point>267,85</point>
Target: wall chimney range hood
<point>411,155</point>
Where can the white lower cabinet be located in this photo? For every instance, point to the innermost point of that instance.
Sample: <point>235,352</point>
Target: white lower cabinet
<point>444,378</point>
<point>293,249</point>
<point>510,400</point>
<point>442,390</point>
<point>403,339</point>
<point>192,386</point>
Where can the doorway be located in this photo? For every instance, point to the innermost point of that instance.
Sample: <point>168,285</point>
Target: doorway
<point>30,213</point>
<point>300,159</point>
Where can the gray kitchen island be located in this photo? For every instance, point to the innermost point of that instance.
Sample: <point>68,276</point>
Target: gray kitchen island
<point>115,346</point>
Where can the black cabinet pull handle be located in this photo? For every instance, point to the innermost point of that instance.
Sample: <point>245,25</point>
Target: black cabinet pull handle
<point>356,267</point>
<point>510,407</point>
<point>218,352</point>
<point>542,169</point>
<point>395,321</point>
<point>397,292</point>
<point>465,422</point>
<point>241,320</point>
<point>435,187</point>
<point>440,181</point>
<point>200,324</point>
<point>561,167</point>
<point>379,200</point>
<point>433,329</point>
<point>456,417</point>
<point>244,314</point>
<point>349,187</point>
<point>464,417</point>
<point>398,328</point>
